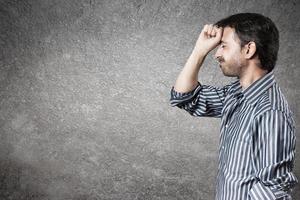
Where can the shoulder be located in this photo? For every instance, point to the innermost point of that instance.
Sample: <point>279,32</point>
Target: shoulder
<point>273,102</point>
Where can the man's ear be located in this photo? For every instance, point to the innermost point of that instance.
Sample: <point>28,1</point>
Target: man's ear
<point>249,50</point>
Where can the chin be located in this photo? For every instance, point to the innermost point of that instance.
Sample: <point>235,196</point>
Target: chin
<point>228,74</point>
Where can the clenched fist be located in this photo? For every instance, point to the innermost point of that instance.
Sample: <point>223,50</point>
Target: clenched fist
<point>209,38</point>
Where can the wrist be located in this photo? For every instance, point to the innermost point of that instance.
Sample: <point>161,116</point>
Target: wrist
<point>199,53</point>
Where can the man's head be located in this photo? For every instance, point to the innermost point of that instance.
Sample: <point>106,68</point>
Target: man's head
<point>256,36</point>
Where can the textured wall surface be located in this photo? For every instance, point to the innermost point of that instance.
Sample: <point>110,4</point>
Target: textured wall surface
<point>85,87</point>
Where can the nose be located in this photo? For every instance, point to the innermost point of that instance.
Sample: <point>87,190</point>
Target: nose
<point>218,53</point>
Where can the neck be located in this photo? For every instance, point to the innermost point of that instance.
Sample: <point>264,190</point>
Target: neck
<point>250,75</point>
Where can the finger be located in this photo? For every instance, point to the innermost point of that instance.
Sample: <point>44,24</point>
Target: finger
<point>213,32</point>
<point>205,29</point>
<point>209,30</point>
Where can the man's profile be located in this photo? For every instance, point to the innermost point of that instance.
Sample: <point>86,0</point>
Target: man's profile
<point>257,134</point>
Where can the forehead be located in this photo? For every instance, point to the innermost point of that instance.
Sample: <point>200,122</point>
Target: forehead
<point>229,35</point>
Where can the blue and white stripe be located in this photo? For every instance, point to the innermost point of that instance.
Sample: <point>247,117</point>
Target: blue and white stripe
<point>257,137</point>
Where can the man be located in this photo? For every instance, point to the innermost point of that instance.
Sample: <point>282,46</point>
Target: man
<point>257,141</point>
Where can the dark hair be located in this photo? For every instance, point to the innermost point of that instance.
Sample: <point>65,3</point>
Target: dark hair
<point>259,29</point>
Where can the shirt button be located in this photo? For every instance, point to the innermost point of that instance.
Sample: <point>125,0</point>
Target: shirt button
<point>226,126</point>
<point>222,147</point>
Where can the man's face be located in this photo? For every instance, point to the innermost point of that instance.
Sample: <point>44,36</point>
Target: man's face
<point>229,54</point>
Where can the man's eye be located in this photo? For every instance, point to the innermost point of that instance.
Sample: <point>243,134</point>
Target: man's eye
<point>222,46</point>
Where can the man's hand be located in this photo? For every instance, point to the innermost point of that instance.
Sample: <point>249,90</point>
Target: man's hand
<point>209,39</point>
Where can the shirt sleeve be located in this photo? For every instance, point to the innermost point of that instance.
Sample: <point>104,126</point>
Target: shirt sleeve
<point>203,101</point>
<point>273,145</point>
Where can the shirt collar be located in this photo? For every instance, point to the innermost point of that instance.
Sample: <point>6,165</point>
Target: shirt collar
<point>258,87</point>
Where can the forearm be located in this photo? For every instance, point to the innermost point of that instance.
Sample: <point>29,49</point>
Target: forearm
<point>187,80</point>
<point>208,39</point>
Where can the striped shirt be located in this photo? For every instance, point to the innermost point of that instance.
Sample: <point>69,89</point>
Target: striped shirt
<point>257,137</point>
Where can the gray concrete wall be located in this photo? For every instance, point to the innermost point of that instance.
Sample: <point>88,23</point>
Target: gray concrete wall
<point>85,89</point>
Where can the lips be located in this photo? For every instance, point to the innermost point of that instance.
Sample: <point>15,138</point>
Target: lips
<point>220,64</point>
<point>220,59</point>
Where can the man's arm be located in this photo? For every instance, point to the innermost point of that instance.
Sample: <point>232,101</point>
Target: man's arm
<point>209,38</point>
<point>273,145</point>
<point>188,93</point>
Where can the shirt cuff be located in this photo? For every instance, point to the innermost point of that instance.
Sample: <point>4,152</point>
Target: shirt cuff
<point>260,191</point>
<point>282,195</point>
<point>178,98</point>
<point>178,95</point>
